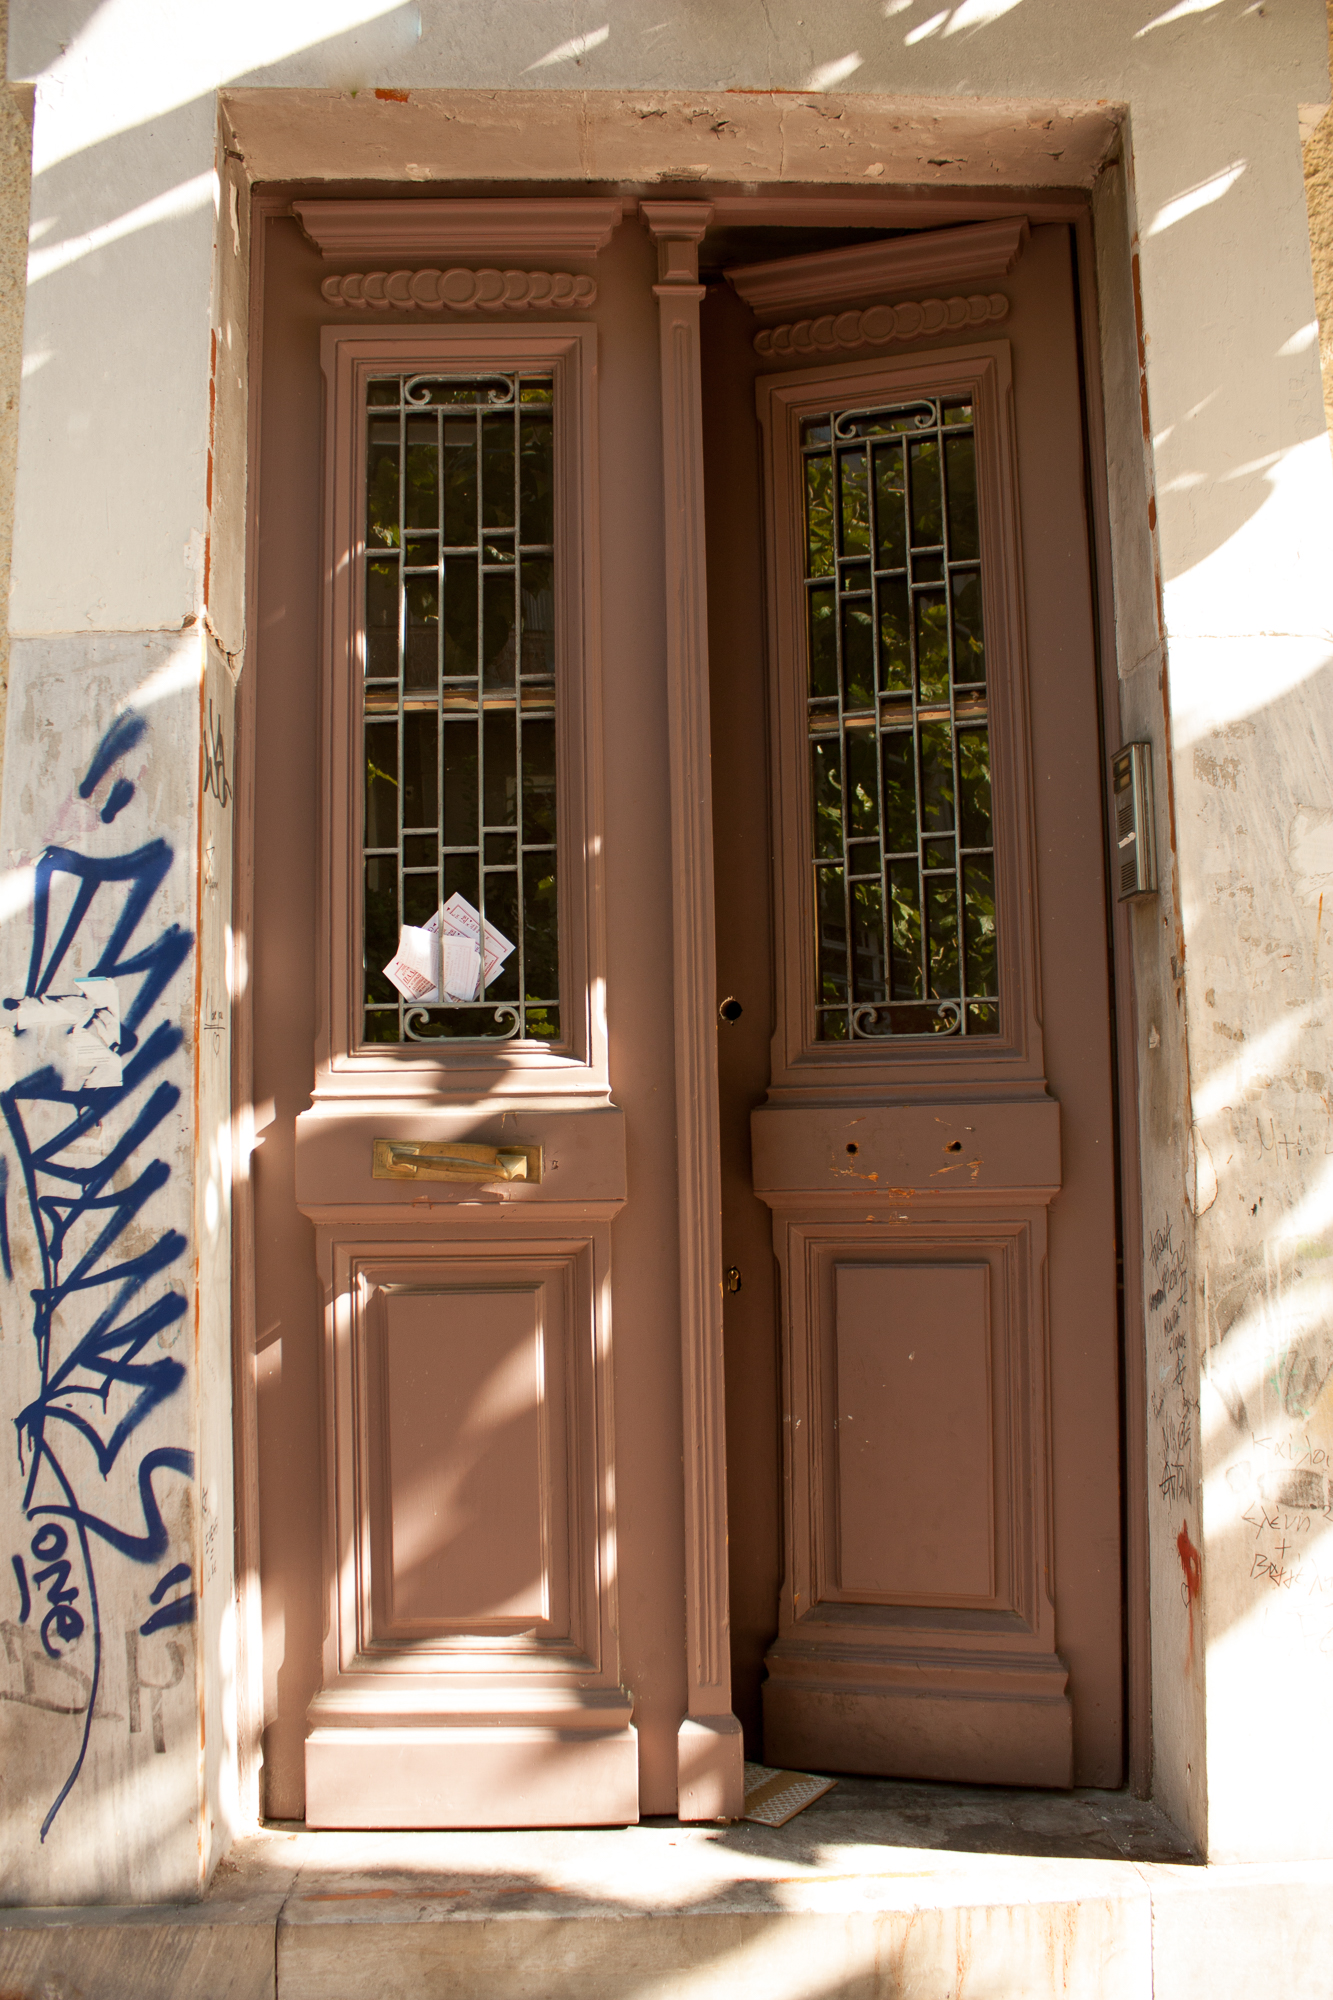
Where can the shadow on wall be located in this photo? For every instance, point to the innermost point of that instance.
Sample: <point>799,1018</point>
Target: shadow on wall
<point>1318,158</point>
<point>112,207</point>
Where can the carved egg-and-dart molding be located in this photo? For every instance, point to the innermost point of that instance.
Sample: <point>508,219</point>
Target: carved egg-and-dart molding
<point>459,290</point>
<point>878,325</point>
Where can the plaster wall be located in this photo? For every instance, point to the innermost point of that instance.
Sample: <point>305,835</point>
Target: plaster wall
<point>117,1499</point>
<point>1318,154</point>
<point>15,178</point>
<point>1183,123</point>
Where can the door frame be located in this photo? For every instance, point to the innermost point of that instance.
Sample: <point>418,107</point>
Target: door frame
<point>1088,313</point>
<point>817,204</point>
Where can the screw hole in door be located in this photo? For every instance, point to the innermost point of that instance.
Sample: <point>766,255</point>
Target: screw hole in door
<point>954,1146</point>
<point>852,1146</point>
<point>731,1009</point>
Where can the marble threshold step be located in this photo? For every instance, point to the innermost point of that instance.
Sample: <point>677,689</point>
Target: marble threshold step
<point>880,1890</point>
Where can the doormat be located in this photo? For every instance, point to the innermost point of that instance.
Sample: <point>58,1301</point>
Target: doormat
<point>774,1797</point>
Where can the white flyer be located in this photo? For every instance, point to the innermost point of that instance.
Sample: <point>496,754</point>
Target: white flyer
<point>461,920</point>
<point>412,967</point>
<point>460,963</point>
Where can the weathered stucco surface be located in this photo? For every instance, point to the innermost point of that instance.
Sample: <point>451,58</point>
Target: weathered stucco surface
<point>1318,150</point>
<point>1183,121</point>
<point>99,1365</point>
<point>15,185</point>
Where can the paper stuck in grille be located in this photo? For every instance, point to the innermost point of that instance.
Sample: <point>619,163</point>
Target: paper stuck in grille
<point>444,952</point>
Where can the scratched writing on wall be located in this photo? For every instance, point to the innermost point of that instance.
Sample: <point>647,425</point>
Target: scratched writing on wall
<point>1173,1407</point>
<point>1286,1487</point>
<point>79,1186</point>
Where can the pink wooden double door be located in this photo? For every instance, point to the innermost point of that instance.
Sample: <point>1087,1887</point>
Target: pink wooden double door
<point>480,1538</point>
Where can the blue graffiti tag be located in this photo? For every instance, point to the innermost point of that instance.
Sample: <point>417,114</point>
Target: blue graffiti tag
<point>127,730</point>
<point>73,1203</point>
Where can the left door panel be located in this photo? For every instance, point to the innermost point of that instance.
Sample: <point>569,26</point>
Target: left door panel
<point>428,729</point>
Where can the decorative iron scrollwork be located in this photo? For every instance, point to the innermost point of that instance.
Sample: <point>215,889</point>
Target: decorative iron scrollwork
<point>501,1015</point>
<point>866,1020</point>
<point>501,390</point>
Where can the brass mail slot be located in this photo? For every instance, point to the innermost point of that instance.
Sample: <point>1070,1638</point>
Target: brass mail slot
<point>452,1160</point>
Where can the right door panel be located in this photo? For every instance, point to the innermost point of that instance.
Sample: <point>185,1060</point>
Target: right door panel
<point>936,1145</point>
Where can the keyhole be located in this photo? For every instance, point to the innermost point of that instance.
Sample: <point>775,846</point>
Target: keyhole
<point>733,1279</point>
<point>852,1146</point>
<point>954,1146</point>
<point>731,1009</point>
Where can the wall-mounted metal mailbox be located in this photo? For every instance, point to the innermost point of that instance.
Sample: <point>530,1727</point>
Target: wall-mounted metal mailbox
<point>1132,801</point>
<point>453,1160</point>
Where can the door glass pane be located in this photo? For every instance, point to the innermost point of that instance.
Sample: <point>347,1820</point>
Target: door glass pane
<point>901,838</point>
<point>458,813</point>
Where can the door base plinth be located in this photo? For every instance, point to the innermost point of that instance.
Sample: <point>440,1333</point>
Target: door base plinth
<point>476,1774</point>
<point>710,1768</point>
<point>1012,1725</point>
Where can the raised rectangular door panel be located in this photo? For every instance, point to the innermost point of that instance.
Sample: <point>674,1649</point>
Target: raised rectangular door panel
<point>465,1438</point>
<point>468,1489</point>
<point>917,1504</point>
<point>913,1432</point>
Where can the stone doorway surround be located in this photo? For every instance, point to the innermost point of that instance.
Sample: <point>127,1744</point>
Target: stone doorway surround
<point>786,171</point>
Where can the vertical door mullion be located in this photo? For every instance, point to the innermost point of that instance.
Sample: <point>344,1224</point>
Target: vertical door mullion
<point>520,904</point>
<point>872,505</point>
<point>847,964</point>
<point>918,774</point>
<point>439,689</point>
<point>402,655</point>
<point>953,728</point>
<point>480,993</point>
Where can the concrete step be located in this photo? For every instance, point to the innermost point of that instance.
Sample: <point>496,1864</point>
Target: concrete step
<point>880,1889</point>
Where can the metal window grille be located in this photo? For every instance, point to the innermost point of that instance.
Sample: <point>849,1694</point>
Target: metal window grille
<point>902,838</point>
<point>460,681</point>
